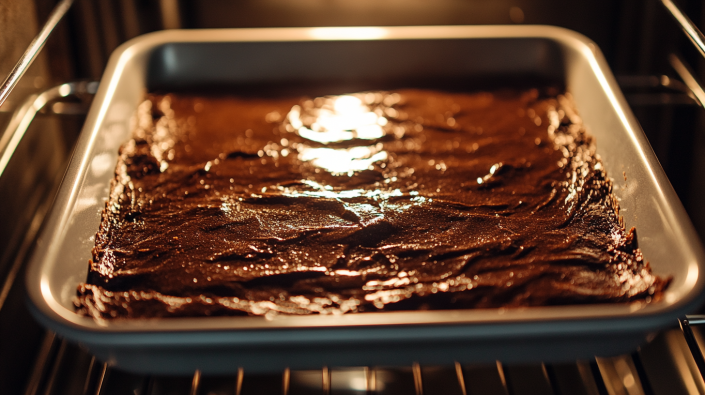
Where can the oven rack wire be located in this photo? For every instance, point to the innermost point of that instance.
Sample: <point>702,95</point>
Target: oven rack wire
<point>684,71</point>
<point>627,375</point>
<point>64,368</point>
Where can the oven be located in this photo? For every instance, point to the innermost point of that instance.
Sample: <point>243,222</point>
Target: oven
<point>657,66</point>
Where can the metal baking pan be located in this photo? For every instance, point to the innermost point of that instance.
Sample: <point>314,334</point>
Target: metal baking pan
<point>354,59</point>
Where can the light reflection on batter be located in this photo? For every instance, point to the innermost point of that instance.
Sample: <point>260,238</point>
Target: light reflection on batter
<point>342,161</point>
<point>338,119</point>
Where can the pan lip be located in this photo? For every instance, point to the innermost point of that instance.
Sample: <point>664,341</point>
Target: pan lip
<point>570,318</point>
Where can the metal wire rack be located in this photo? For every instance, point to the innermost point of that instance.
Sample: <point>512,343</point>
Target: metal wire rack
<point>698,40</point>
<point>65,368</point>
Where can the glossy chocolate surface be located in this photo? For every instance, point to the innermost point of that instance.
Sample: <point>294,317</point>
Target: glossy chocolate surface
<point>374,201</point>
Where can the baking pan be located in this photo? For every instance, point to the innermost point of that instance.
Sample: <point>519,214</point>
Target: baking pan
<point>339,59</point>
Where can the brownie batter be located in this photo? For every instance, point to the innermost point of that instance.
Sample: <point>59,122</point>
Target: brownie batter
<point>405,200</point>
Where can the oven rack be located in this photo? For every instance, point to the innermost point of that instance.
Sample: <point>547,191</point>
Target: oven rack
<point>684,71</point>
<point>65,368</point>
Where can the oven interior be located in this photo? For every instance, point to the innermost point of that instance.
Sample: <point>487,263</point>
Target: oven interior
<point>654,63</point>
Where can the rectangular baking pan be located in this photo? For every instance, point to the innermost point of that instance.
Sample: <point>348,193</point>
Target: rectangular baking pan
<point>334,60</point>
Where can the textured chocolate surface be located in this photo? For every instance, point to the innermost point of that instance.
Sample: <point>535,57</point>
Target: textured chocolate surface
<point>375,201</point>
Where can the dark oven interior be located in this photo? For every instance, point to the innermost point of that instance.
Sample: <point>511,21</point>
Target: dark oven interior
<point>655,64</point>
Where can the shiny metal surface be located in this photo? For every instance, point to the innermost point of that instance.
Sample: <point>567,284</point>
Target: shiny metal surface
<point>25,113</point>
<point>176,59</point>
<point>687,324</point>
<point>692,31</point>
<point>33,50</point>
<point>688,78</point>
